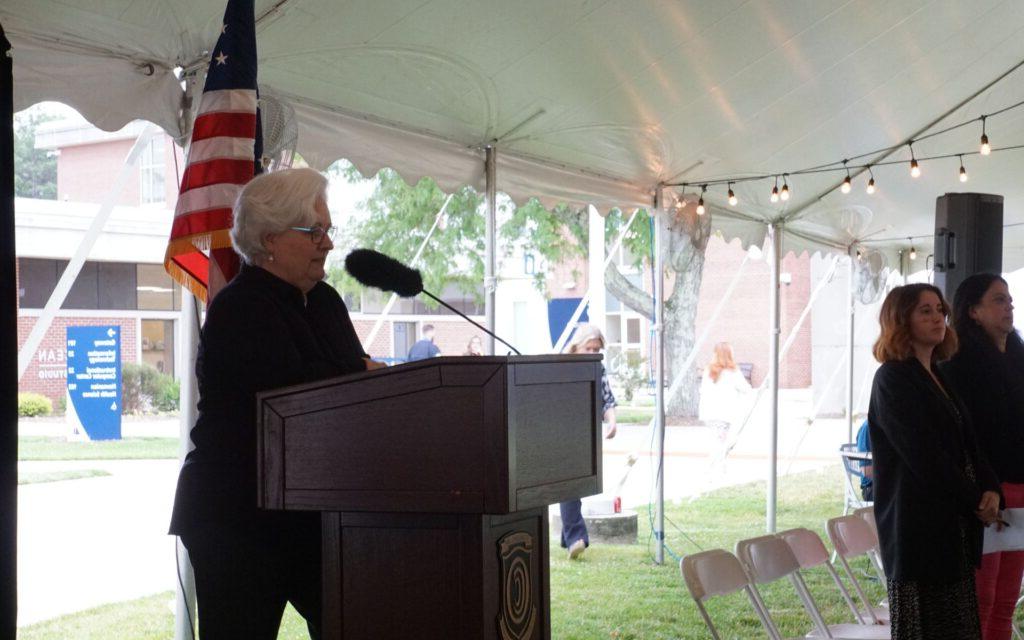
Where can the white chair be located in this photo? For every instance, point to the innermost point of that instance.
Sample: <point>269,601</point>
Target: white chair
<point>769,558</point>
<point>715,573</point>
<point>852,537</point>
<point>867,514</point>
<point>810,552</point>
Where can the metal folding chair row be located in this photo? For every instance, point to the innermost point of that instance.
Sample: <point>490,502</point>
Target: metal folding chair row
<point>769,558</point>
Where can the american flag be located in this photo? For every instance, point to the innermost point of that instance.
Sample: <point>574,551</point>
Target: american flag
<point>224,154</point>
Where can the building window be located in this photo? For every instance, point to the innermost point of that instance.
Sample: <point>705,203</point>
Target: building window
<point>110,286</point>
<point>158,345</point>
<point>156,290</point>
<point>153,165</point>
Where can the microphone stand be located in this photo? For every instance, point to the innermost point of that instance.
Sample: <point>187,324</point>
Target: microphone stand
<point>470,320</point>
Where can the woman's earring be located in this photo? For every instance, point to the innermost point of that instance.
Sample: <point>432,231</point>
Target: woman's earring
<point>271,258</point>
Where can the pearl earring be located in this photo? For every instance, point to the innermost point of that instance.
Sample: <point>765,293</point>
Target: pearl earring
<point>271,258</point>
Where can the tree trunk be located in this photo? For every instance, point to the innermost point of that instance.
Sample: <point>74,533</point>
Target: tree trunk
<point>685,245</point>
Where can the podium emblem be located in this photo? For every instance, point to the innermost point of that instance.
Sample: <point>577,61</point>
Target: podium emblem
<point>517,613</point>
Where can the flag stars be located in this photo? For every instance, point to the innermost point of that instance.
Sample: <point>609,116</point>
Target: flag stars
<point>221,58</point>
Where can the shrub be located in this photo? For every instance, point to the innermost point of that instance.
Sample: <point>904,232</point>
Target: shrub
<point>31,405</point>
<point>61,406</point>
<point>166,397</point>
<point>144,389</point>
<point>131,388</point>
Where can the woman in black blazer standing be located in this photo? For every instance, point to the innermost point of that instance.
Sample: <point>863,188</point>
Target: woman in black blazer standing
<point>988,374</point>
<point>934,491</point>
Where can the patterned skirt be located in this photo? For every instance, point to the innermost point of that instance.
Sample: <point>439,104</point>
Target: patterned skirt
<point>930,611</point>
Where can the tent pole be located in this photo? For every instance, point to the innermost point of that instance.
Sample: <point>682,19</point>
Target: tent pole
<point>9,331</point>
<point>185,585</point>
<point>490,258</point>
<point>659,413</point>
<point>595,268</point>
<point>775,239</point>
<point>850,339</point>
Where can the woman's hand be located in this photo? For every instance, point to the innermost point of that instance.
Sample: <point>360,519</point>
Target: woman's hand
<point>988,508</point>
<point>373,364</point>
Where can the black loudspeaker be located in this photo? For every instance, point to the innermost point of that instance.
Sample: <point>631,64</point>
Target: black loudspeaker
<point>968,238</point>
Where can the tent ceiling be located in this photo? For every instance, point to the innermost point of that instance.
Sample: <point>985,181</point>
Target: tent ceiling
<point>590,100</point>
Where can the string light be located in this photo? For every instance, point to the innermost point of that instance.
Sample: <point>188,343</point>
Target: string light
<point>915,171</point>
<point>913,251</point>
<point>859,255</point>
<point>681,201</point>
<point>846,185</point>
<point>700,201</point>
<point>985,147</point>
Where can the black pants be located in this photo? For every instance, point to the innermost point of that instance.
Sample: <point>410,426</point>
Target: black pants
<point>246,575</point>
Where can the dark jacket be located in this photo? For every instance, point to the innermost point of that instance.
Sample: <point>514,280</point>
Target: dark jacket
<point>259,334</point>
<point>921,490</point>
<point>991,385</point>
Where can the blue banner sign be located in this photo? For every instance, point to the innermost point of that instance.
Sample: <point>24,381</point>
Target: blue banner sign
<point>94,380</point>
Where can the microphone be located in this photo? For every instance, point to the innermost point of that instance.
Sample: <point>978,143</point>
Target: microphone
<point>374,269</point>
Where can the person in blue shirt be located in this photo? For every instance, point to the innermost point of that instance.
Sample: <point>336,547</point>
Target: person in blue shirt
<point>867,489</point>
<point>424,347</point>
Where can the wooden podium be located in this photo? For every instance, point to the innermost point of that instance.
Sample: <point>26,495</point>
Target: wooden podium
<point>433,479</point>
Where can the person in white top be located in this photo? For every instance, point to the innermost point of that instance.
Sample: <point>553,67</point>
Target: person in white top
<point>722,388</point>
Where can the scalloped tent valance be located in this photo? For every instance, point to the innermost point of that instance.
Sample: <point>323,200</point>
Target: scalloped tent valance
<point>591,102</point>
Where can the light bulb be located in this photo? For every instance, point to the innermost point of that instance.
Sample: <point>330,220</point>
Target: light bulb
<point>985,147</point>
<point>963,173</point>
<point>732,198</point>
<point>785,192</point>
<point>859,256</point>
<point>700,207</point>
<point>915,171</point>
<point>775,195</point>
<point>871,186</point>
<point>846,186</point>
<point>913,253</point>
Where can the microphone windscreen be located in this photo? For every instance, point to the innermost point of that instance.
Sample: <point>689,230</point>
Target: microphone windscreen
<point>374,269</point>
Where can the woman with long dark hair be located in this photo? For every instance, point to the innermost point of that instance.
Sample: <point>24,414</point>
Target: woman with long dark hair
<point>988,375</point>
<point>933,489</point>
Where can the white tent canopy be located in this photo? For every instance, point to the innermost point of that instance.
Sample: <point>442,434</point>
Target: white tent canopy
<point>591,102</point>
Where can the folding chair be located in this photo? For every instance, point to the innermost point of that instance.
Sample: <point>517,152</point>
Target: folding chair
<point>853,469</point>
<point>769,558</point>
<point>867,514</point>
<point>852,537</point>
<point>810,552</point>
<point>717,572</point>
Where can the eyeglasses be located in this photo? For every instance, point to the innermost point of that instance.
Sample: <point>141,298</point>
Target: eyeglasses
<point>316,234</point>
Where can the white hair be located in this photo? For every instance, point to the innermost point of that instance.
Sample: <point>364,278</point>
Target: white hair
<point>584,334</point>
<point>271,203</point>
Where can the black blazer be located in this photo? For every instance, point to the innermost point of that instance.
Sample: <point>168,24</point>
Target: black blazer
<point>260,333</point>
<point>921,490</point>
<point>991,385</point>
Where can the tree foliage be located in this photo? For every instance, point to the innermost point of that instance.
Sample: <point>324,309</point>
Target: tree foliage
<point>35,170</point>
<point>399,216</point>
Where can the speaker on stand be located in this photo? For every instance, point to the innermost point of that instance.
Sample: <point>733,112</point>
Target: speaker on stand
<point>968,238</point>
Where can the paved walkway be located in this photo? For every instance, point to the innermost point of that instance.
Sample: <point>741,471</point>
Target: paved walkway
<point>86,542</point>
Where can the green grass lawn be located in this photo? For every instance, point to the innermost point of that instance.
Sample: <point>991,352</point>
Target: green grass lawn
<point>634,415</point>
<point>613,591</point>
<point>50,448</point>
<point>30,477</point>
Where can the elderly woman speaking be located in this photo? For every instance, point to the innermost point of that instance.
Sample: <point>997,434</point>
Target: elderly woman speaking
<point>275,324</point>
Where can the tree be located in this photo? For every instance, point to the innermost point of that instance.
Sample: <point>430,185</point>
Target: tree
<point>399,217</point>
<point>35,170</point>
